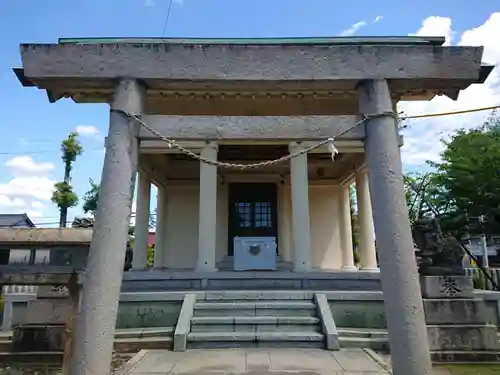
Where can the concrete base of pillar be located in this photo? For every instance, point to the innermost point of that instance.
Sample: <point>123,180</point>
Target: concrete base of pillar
<point>370,269</point>
<point>349,268</point>
<point>204,269</point>
<point>301,268</point>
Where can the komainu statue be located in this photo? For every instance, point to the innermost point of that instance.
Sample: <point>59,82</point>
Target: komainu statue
<point>437,254</point>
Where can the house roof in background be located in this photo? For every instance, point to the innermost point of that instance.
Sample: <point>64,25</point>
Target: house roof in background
<point>12,220</point>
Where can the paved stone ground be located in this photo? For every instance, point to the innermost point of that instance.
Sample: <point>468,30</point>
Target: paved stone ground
<point>254,362</point>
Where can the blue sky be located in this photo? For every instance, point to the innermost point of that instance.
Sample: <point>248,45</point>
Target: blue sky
<point>33,128</point>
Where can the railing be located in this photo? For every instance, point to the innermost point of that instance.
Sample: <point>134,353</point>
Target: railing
<point>480,279</point>
<point>19,289</point>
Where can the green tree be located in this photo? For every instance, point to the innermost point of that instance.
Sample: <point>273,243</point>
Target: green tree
<point>469,175</point>
<point>425,195</point>
<point>64,196</point>
<point>91,198</point>
<point>354,215</point>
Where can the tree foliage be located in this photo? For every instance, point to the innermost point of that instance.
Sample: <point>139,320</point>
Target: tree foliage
<point>71,148</point>
<point>91,198</point>
<point>464,184</point>
<point>64,196</point>
<point>469,176</point>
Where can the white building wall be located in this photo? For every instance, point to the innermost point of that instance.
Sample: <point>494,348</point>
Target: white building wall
<point>325,240</point>
<point>182,225</point>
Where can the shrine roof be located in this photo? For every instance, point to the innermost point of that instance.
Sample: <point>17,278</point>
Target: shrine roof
<point>357,40</point>
<point>322,73</point>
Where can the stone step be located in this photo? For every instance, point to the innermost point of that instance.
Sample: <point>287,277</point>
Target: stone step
<point>375,343</point>
<point>255,308</point>
<point>253,312</point>
<point>234,320</point>
<point>256,344</point>
<point>253,305</point>
<point>256,328</point>
<point>257,295</point>
<point>255,324</point>
<point>255,336</point>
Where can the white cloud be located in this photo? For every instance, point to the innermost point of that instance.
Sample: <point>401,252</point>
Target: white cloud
<point>436,26</point>
<point>29,187</point>
<point>353,29</point>
<point>87,130</point>
<point>422,138</point>
<point>26,166</point>
<point>37,205</point>
<point>6,201</point>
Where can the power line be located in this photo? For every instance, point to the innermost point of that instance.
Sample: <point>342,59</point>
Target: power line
<point>132,215</point>
<point>40,152</point>
<point>401,118</point>
<point>167,17</point>
<point>427,115</point>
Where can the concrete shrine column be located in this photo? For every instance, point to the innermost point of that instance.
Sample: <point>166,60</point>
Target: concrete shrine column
<point>345,228</point>
<point>142,214</point>
<point>400,280</point>
<point>368,253</point>
<point>301,231</point>
<point>207,225</point>
<point>160,256</point>
<point>95,325</point>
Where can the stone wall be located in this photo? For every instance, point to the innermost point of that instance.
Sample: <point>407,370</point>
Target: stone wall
<point>148,314</point>
<point>358,314</point>
<point>350,309</point>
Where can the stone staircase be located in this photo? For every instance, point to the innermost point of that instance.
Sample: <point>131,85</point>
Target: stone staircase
<point>238,322</point>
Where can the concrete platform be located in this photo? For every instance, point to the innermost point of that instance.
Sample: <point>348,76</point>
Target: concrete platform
<point>186,280</point>
<point>256,362</point>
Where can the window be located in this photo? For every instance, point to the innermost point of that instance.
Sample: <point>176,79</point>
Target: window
<point>244,214</point>
<point>262,216</point>
<point>256,215</point>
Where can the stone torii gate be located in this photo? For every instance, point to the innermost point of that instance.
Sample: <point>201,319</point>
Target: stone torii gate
<point>359,76</point>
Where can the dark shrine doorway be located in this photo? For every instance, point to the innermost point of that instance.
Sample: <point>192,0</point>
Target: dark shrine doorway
<point>252,211</point>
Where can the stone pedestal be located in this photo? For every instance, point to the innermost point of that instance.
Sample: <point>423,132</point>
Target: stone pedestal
<point>446,287</point>
<point>457,323</point>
